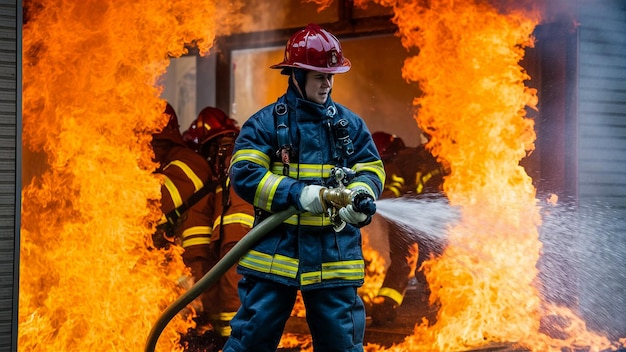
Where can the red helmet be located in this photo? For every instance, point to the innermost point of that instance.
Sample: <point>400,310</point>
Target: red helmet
<point>171,131</point>
<point>387,144</point>
<point>211,122</point>
<point>315,49</point>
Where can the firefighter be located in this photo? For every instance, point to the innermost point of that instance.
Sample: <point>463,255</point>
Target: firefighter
<point>186,212</point>
<point>213,136</point>
<point>411,172</point>
<point>283,157</point>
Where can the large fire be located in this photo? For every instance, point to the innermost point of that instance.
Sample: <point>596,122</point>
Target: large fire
<point>89,282</point>
<point>473,105</point>
<point>91,101</point>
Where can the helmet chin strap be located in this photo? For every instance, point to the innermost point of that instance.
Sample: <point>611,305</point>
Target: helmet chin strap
<point>296,84</point>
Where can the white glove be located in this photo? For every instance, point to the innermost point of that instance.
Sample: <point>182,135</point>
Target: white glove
<point>351,216</point>
<point>310,199</point>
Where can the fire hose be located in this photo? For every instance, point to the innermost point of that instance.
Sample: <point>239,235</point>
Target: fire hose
<point>334,198</point>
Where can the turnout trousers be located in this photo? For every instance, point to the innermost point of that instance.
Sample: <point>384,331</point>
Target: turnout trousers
<point>335,316</point>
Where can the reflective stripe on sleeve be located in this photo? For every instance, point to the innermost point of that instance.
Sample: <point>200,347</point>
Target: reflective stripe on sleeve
<point>251,155</point>
<point>266,189</point>
<point>374,166</point>
<point>396,185</point>
<point>197,182</point>
<point>196,235</point>
<point>303,170</point>
<point>236,218</point>
<point>173,191</point>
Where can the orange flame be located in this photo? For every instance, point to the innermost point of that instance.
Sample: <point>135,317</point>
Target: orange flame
<point>374,270</point>
<point>91,102</point>
<point>473,105</point>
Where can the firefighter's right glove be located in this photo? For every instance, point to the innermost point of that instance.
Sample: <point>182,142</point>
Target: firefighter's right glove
<point>311,199</point>
<point>351,216</point>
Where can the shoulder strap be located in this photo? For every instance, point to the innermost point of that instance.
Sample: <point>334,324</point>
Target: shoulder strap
<point>285,148</point>
<point>173,215</point>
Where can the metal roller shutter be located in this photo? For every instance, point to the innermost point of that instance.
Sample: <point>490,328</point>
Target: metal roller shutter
<point>9,78</point>
<point>601,151</point>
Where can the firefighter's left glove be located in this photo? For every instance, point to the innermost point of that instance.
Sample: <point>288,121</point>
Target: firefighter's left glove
<point>311,199</point>
<point>351,216</point>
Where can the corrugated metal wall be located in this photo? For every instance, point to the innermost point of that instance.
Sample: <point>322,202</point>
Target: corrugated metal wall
<point>10,83</point>
<point>602,104</point>
<point>601,175</point>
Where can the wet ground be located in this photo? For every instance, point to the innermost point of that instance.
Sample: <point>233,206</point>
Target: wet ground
<point>414,307</point>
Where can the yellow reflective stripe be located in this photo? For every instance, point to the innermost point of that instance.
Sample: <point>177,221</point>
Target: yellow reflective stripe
<point>418,181</point>
<point>312,277</point>
<point>197,230</point>
<point>283,265</point>
<point>221,322</point>
<point>224,331</point>
<point>257,261</point>
<point>224,316</point>
<point>196,235</point>
<point>195,241</point>
<point>309,219</point>
<point>265,263</point>
<point>266,189</point>
<point>397,181</point>
<point>374,166</point>
<point>174,194</point>
<point>391,293</point>
<point>197,182</point>
<point>422,180</point>
<point>236,218</point>
<point>304,170</point>
<point>345,270</point>
<point>162,220</point>
<point>395,185</point>
<point>396,192</point>
<point>362,184</point>
<point>251,155</point>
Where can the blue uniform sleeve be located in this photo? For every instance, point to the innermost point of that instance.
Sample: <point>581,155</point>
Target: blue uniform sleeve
<point>250,173</point>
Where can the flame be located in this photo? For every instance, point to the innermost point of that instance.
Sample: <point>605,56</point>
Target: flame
<point>304,343</point>
<point>374,270</point>
<point>473,105</point>
<point>91,102</point>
